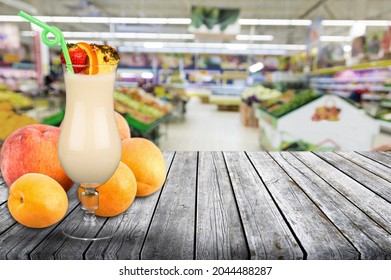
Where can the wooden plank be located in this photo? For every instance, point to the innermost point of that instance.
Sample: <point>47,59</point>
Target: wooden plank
<point>219,233</point>
<point>366,200</point>
<point>375,183</point>
<point>268,236</point>
<point>131,228</point>
<point>171,233</point>
<point>382,158</point>
<point>319,237</point>
<point>6,220</point>
<point>19,241</point>
<point>4,193</point>
<point>371,240</point>
<point>58,246</point>
<point>368,164</point>
<point>1,179</point>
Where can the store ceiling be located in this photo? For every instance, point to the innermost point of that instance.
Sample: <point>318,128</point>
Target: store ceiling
<point>249,9</point>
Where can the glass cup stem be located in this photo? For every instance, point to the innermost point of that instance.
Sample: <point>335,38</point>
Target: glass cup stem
<point>89,202</point>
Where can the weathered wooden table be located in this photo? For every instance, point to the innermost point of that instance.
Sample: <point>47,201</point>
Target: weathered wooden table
<point>236,205</point>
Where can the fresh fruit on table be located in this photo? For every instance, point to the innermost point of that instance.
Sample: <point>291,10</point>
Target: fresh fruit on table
<point>78,57</point>
<point>37,201</point>
<point>123,127</point>
<point>146,161</point>
<point>33,149</point>
<point>117,194</point>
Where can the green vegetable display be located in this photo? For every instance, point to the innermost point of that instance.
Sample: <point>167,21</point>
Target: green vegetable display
<point>297,101</point>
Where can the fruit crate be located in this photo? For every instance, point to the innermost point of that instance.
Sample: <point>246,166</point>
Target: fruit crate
<point>139,125</point>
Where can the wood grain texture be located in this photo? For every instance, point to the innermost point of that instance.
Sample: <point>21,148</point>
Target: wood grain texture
<point>368,164</point>
<point>219,233</point>
<point>370,203</point>
<point>373,182</point>
<point>319,237</point>
<point>58,246</point>
<point>130,228</point>
<point>171,233</point>
<point>383,158</point>
<point>218,206</point>
<point>6,220</point>
<point>371,240</point>
<point>4,193</point>
<point>19,241</point>
<point>1,179</point>
<point>267,234</point>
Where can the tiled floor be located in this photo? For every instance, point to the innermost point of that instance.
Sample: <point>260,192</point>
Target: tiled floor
<point>207,129</point>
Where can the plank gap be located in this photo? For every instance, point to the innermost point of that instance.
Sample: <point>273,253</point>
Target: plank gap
<point>347,196</point>
<point>316,204</point>
<point>376,189</point>
<point>318,235</point>
<point>305,254</point>
<point>196,207</point>
<point>156,205</point>
<point>236,204</point>
<point>378,157</point>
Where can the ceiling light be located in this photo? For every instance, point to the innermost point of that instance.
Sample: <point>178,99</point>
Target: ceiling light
<point>376,22</point>
<point>256,67</point>
<point>121,35</point>
<point>11,19</point>
<point>358,29</point>
<point>244,21</point>
<point>287,47</point>
<point>274,22</point>
<point>254,37</point>
<point>298,22</point>
<point>153,45</point>
<point>337,22</point>
<point>147,75</point>
<point>347,48</point>
<point>335,38</point>
<point>236,46</point>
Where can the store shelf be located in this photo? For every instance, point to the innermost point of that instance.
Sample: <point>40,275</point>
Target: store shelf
<point>361,66</point>
<point>330,86</point>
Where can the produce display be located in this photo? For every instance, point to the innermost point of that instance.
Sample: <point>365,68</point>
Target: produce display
<point>139,105</point>
<point>259,93</point>
<point>328,113</point>
<point>282,107</point>
<point>384,112</point>
<point>10,120</point>
<point>17,100</point>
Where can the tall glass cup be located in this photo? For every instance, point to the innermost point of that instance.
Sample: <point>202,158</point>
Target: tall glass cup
<point>89,146</point>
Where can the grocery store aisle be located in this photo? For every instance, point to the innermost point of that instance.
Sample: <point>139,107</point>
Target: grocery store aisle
<point>207,129</point>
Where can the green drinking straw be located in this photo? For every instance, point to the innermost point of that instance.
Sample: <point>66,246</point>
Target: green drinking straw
<point>58,36</point>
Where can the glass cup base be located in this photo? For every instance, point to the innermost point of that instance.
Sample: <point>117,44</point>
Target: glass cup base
<point>88,231</point>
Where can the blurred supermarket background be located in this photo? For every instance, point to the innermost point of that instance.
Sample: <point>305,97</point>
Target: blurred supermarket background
<point>215,75</point>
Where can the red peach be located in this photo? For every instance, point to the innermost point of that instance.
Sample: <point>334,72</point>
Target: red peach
<point>33,149</point>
